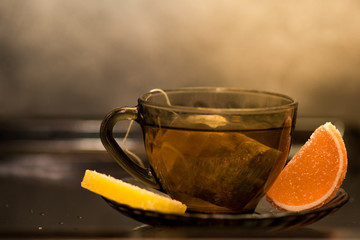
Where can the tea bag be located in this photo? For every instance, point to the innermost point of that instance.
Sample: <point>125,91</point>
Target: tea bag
<point>193,162</point>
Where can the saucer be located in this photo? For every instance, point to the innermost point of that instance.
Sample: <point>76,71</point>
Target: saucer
<point>264,217</point>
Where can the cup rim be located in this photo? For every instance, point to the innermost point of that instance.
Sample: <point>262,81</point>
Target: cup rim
<point>208,110</point>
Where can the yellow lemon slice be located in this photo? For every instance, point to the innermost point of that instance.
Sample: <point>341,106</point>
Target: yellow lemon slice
<point>131,195</point>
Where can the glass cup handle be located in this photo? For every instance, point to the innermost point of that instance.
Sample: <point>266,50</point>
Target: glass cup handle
<point>107,138</point>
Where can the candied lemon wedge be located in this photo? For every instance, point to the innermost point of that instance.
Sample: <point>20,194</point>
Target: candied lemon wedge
<point>131,195</point>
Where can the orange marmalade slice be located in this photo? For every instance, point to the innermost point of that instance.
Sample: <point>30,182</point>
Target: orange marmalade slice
<point>313,175</point>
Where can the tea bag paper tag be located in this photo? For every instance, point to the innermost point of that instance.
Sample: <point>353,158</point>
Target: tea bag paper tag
<point>212,121</point>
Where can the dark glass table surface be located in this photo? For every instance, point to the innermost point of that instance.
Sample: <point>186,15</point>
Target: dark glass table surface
<point>41,197</point>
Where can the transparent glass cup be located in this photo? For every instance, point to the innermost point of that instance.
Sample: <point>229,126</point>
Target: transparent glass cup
<point>218,150</point>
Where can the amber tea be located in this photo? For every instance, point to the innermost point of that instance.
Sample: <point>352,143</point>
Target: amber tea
<point>213,171</point>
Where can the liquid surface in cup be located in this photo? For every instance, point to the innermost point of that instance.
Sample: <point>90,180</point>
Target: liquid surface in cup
<point>216,171</point>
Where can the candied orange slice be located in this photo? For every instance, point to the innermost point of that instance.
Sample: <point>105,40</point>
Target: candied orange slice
<point>131,195</point>
<point>314,175</point>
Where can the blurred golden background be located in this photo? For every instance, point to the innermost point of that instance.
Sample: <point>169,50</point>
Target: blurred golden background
<point>83,58</point>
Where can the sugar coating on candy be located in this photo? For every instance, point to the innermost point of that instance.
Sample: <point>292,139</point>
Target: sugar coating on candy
<point>314,174</point>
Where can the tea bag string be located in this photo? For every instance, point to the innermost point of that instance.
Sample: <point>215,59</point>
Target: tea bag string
<point>135,157</point>
<point>163,92</point>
